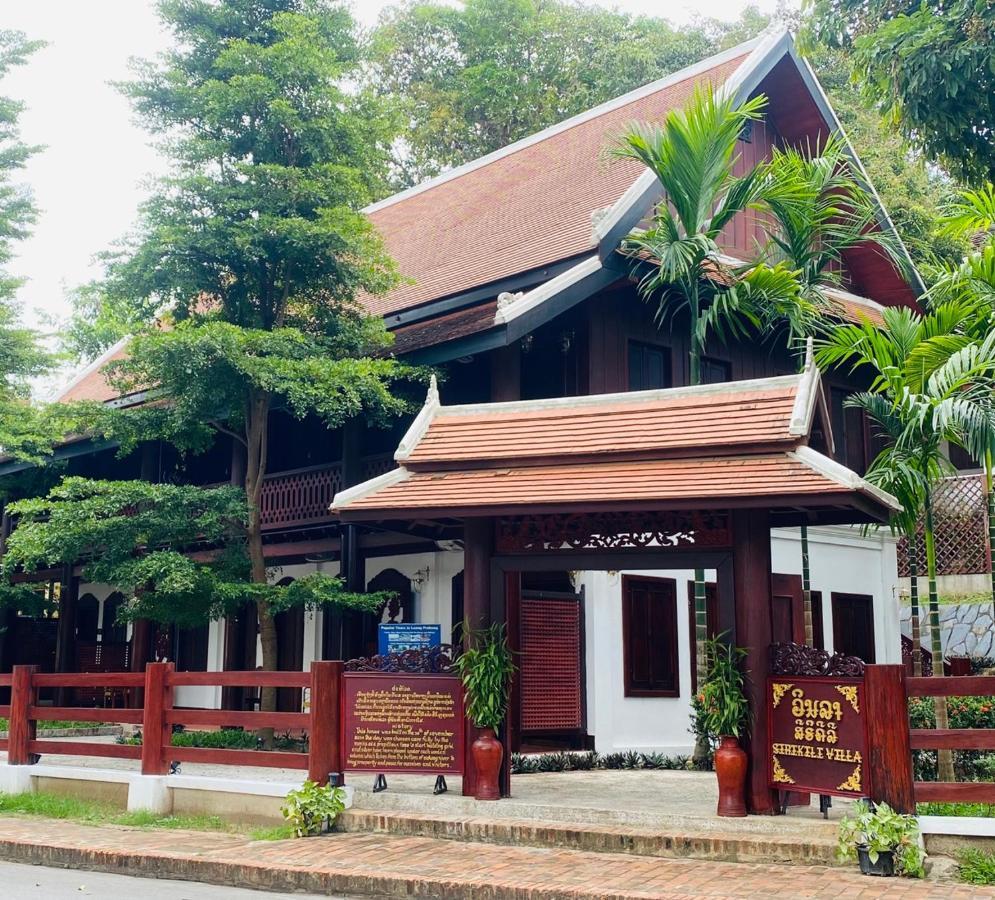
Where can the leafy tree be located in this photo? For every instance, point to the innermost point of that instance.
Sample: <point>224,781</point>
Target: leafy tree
<point>680,266</point>
<point>930,66</point>
<point>473,78</point>
<point>930,387</point>
<point>254,245</point>
<point>23,431</point>
<point>143,538</point>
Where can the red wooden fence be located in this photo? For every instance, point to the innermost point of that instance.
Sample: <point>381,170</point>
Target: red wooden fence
<point>158,716</point>
<point>953,738</point>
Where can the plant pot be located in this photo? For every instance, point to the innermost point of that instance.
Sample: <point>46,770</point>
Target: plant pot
<point>487,755</point>
<point>884,866</point>
<point>730,770</point>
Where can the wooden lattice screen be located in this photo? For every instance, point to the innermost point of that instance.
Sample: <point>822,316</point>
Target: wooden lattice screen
<point>960,522</point>
<point>550,664</point>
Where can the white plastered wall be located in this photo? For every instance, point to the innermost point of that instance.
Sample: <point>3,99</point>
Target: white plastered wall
<point>841,560</point>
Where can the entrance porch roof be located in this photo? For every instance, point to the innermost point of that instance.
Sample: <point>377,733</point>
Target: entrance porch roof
<point>739,444</point>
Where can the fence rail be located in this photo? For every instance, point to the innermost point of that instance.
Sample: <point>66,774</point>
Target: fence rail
<point>952,738</point>
<point>158,716</point>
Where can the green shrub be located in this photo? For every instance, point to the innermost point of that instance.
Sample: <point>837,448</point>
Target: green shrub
<point>880,829</point>
<point>225,739</point>
<point>311,805</point>
<point>977,866</point>
<point>576,762</point>
<point>963,712</point>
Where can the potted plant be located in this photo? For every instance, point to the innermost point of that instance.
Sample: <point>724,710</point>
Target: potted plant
<point>723,712</point>
<point>883,841</point>
<point>485,667</point>
<point>313,808</point>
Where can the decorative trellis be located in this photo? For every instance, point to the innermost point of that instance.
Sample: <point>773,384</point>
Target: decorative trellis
<point>960,523</point>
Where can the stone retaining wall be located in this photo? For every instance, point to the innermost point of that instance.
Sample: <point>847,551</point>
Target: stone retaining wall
<point>966,628</point>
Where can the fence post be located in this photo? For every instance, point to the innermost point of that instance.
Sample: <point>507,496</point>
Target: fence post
<point>22,728</point>
<point>158,697</point>
<point>324,750</point>
<point>886,711</point>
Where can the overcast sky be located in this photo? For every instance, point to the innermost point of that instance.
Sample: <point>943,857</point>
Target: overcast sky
<point>92,173</point>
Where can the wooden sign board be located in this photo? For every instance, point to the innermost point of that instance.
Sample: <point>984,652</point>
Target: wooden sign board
<point>817,738</point>
<point>401,723</point>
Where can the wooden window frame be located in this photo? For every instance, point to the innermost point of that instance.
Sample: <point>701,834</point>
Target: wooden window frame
<point>666,349</point>
<point>673,642</point>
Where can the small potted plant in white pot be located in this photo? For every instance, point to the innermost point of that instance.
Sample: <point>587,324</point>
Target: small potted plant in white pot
<point>883,841</point>
<point>485,667</point>
<point>723,712</point>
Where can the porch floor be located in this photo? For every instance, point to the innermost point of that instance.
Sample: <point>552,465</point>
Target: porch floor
<point>645,797</point>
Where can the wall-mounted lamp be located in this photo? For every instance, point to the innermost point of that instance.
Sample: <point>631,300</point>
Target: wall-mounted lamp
<point>420,577</point>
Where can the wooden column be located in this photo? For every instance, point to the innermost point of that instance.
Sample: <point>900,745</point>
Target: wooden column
<point>65,635</point>
<point>324,751</point>
<point>751,579</point>
<point>888,768</point>
<point>156,732</point>
<point>141,640</point>
<point>506,373</point>
<point>478,542</point>
<point>22,729</point>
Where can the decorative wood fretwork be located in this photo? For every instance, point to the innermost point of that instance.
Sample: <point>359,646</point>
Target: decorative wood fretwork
<point>796,659</point>
<point>612,531</point>
<point>417,661</point>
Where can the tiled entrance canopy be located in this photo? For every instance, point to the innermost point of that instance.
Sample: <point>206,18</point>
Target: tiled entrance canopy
<point>739,444</point>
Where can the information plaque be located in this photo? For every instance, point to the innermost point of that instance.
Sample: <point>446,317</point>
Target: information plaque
<point>817,736</point>
<point>402,723</point>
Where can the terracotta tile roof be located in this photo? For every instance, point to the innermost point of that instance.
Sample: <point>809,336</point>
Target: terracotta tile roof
<point>684,482</point>
<point>642,422</point>
<point>91,383</point>
<point>715,445</point>
<point>529,206</point>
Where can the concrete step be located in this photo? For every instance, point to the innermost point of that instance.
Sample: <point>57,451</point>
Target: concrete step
<point>662,841</point>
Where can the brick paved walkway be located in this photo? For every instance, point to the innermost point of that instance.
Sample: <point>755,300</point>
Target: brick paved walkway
<point>429,867</point>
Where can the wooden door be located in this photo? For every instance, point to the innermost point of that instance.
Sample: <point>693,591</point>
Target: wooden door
<point>787,609</point>
<point>853,625</point>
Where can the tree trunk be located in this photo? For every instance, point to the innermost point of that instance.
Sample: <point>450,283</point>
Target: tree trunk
<point>990,507</point>
<point>913,550</point>
<point>807,590</point>
<point>702,750</point>
<point>945,758</point>
<point>257,436</point>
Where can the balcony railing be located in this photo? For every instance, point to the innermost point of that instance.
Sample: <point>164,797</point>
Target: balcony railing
<point>302,496</point>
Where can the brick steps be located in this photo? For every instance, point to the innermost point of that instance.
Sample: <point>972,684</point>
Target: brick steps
<point>661,842</point>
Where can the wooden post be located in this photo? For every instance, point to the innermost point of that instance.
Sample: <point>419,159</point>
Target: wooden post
<point>22,728</point>
<point>889,765</point>
<point>754,631</point>
<point>65,639</point>
<point>478,539</point>
<point>325,748</point>
<point>155,730</point>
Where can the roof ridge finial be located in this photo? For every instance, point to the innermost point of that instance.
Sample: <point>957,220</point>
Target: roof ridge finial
<point>809,353</point>
<point>432,396</point>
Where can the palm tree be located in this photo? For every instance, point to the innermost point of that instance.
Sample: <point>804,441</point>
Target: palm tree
<point>923,395</point>
<point>819,211</point>
<point>678,260</point>
<point>972,282</point>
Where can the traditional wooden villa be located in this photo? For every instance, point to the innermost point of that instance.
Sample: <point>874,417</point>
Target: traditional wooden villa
<point>561,476</point>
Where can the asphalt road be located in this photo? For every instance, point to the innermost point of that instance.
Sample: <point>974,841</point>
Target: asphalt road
<point>21,882</point>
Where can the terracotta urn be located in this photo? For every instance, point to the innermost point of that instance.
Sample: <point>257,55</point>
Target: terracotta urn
<point>487,755</point>
<point>730,769</point>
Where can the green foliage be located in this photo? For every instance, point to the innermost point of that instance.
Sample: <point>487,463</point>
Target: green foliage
<point>962,712</point>
<point>137,536</point>
<point>678,260</point>
<point>929,66</point>
<point>979,810</point>
<point>311,805</point>
<point>59,806</point>
<point>486,667</point>
<point>722,705</point>
<point>882,829</point>
<point>976,866</point>
<point>525,764</point>
<point>473,78</point>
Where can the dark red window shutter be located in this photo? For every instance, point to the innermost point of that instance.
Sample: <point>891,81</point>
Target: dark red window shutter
<point>649,635</point>
<point>551,667</point>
